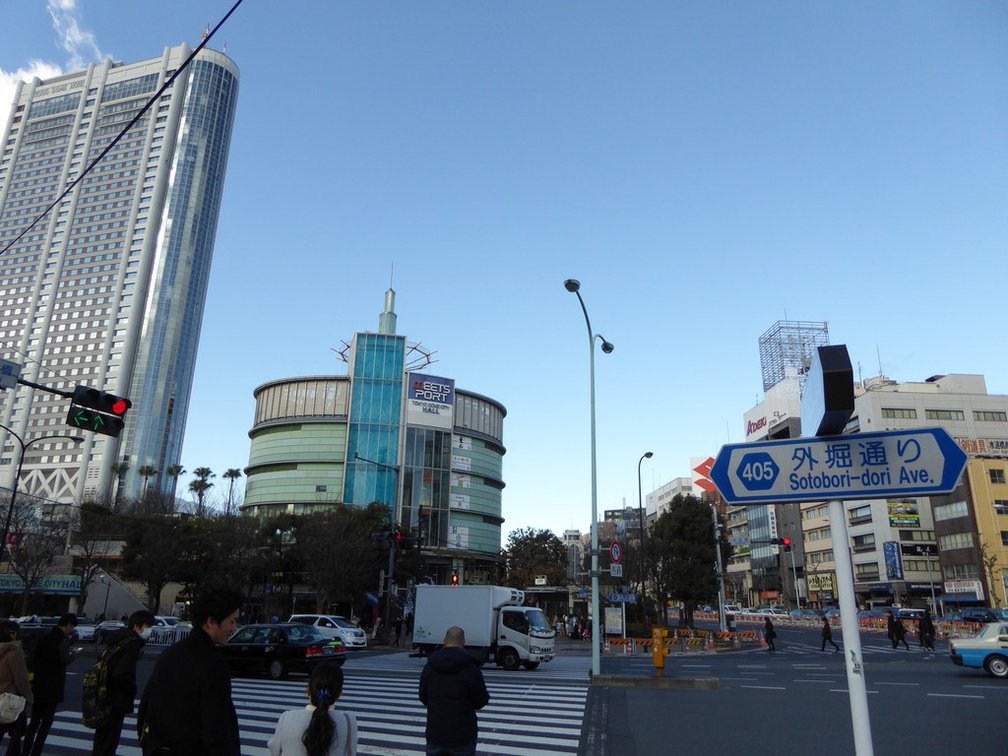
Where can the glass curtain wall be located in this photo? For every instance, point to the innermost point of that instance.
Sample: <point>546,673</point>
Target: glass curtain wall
<point>375,411</point>
<point>426,484</point>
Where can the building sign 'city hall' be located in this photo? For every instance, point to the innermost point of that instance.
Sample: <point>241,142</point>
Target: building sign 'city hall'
<point>430,401</point>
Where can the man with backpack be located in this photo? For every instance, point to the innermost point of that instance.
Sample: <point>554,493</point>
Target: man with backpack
<point>123,650</point>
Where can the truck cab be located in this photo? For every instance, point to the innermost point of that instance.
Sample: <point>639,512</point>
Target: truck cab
<point>524,637</point>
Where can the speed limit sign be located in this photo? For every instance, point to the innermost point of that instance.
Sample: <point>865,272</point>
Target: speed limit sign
<point>615,552</point>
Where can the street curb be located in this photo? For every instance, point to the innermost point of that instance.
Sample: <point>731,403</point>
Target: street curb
<point>662,683</point>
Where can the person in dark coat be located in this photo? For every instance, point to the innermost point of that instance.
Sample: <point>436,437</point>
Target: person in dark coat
<point>926,629</point>
<point>453,690</point>
<point>891,629</point>
<point>186,707</point>
<point>52,655</point>
<point>122,684</point>
<point>769,633</point>
<point>827,635</point>
<point>899,634</point>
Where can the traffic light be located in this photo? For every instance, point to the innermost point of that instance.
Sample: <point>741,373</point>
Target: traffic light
<point>98,411</point>
<point>785,542</point>
<point>454,579</point>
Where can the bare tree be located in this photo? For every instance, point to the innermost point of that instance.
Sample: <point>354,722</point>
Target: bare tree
<point>37,538</point>
<point>988,564</point>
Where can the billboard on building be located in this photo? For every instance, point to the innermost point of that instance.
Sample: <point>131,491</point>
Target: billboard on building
<point>903,513</point>
<point>986,447</point>
<point>430,401</point>
<point>780,402</point>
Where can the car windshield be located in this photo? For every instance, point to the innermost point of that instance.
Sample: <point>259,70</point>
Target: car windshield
<point>346,624</point>
<point>992,630</point>
<point>537,621</point>
<point>304,634</point>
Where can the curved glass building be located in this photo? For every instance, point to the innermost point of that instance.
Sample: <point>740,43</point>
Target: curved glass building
<point>108,289</point>
<point>387,433</point>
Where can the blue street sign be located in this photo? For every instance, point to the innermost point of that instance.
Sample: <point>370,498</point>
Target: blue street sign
<point>623,598</point>
<point>371,597</point>
<point>917,462</point>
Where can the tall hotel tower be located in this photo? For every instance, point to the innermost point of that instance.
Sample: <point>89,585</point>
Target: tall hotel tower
<point>108,290</point>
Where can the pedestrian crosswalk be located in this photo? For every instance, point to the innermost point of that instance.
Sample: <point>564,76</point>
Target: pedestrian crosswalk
<point>524,717</point>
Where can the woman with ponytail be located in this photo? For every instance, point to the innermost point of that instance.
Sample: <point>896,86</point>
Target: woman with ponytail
<point>317,729</point>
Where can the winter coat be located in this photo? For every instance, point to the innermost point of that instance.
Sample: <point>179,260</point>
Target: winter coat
<point>122,684</point>
<point>827,631</point>
<point>187,705</point>
<point>769,632</point>
<point>14,671</point>
<point>452,689</point>
<point>50,660</point>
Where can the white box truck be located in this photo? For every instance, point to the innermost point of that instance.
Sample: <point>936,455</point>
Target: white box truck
<point>496,624</point>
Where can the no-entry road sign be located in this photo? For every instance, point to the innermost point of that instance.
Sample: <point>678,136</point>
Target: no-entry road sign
<point>915,462</point>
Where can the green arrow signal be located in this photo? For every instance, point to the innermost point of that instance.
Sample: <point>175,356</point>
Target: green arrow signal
<point>81,419</point>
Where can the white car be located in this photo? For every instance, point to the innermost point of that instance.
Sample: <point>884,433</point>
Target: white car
<point>334,626</point>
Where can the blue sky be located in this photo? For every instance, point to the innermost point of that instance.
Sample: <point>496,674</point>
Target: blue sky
<point>704,169</point>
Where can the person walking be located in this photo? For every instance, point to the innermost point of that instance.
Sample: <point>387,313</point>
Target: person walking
<point>827,635</point>
<point>891,629</point>
<point>122,685</point>
<point>50,660</point>
<point>186,707</point>
<point>926,629</point>
<point>899,634</point>
<point>769,633</point>
<point>13,679</point>
<point>453,690</point>
<point>317,730</point>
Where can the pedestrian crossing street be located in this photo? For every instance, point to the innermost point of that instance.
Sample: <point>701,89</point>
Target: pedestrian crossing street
<point>867,649</point>
<point>527,715</point>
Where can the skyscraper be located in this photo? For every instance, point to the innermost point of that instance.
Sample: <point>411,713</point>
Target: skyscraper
<point>108,289</point>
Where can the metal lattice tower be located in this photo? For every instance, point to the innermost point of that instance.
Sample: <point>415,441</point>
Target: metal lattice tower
<point>790,344</point>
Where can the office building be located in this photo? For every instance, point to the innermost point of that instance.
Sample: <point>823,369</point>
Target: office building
<point>388,433</point>
<point>108,289</point>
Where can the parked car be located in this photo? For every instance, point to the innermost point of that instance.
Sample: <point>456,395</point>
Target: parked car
<point>805,614</point>
<point>980,614</point>
<point>733,609</point>
<point>105,628</point>
<point>988,651</point>
<point>168,630</point>
<point>334,626</point>
<point>85,629</point>
<point>277,649</point>
<point>910,614</point>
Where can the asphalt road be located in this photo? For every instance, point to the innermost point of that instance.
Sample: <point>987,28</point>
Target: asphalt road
<point>795,701</point>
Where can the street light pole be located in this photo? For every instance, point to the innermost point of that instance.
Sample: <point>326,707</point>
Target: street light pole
<point>17,475</point>
<point>574,286</point>
<point>640,514</point>
<point>108,587</point>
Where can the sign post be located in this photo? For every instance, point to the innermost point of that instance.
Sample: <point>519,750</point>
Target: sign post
<point>832,467</point>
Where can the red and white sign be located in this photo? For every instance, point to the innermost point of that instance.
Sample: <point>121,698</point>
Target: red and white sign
<point>615,552</point>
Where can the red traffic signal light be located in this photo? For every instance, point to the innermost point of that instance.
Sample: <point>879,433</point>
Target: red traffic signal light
<point>786,541</point>
<point>454,579</point>
<point>98,411</point>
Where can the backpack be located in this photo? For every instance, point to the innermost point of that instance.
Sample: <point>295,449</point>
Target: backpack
<point>95,704</point>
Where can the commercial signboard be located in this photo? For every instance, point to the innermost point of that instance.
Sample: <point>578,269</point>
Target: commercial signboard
<point>52,585</point>
<point>960,587</point>
<point>893,560</point>
<point>903,513</point>
<point>820,581</point>
<point>430,401</point>
<point>985,447</point>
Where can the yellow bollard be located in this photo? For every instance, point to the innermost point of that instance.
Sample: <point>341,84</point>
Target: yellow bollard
<point>659,650</point>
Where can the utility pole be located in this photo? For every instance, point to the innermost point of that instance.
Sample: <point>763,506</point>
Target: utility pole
<point>722,620</point>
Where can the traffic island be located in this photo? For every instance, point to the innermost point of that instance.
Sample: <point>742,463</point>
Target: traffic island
<point>660,683</point>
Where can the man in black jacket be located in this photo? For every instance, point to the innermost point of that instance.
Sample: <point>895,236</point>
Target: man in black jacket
<point>128,643</point>
<point>452,689</point>
<point>186,707</point>
<point>51,657</point>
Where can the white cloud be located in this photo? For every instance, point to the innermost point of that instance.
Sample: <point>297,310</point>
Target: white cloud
<point>9,81</point>
<point>79,43</point>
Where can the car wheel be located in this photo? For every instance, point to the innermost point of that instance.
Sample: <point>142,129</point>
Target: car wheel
<point>997,666</point>
<point>509,659</point>
<point>276,669</point>
<point>530,665</point>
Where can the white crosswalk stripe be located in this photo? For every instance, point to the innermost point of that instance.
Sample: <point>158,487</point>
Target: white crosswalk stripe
<point>523,718</point>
